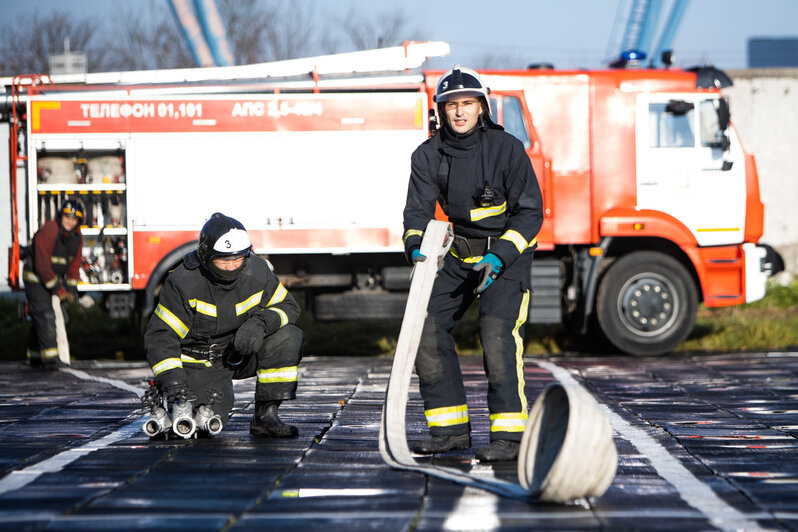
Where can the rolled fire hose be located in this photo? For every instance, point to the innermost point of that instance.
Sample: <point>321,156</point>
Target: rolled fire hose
<point>567,451</point>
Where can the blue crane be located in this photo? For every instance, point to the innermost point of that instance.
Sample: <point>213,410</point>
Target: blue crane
<point>641,26</point>
<point>203,30</point>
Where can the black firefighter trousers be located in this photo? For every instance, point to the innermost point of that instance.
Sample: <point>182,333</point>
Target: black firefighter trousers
<point>42,340</point>
<point>275,366</point>
<point>503,308</point>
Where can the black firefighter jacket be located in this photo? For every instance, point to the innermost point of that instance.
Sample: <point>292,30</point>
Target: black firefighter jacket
<point>455,172</point>
<point>196,311</point>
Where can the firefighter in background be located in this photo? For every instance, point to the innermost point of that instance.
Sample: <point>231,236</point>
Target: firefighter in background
<point>485,183</point>
<point>224,315</point>
<point>52,268</point>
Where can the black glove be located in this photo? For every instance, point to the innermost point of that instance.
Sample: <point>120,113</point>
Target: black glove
<point>250,336</point>
<point>175,391</point>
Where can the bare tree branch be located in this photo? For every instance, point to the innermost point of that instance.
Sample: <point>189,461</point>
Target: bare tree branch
<point>289,33</point>
<point>388,28</point>
<point>246,22</point>
<point>27,42</point>
<point>498,60</point>
<point>267,30</point>
<point>143,37</point>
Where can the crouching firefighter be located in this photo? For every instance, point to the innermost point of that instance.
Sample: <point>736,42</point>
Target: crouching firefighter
<point>484,181</point>
<point>224,315</point>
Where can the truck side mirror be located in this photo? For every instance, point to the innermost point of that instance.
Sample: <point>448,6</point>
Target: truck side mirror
<point>723,114</point>
<point>722,141</point>
<point>679,107</point>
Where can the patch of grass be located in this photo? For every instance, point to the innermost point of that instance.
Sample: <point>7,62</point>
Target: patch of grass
<point>770,324</point>
<point>724,330</point>
<point>371,338</point>
<point>92,334</point>
<point>777,296</point>
<point>348,338</point>
<point>13,329</point>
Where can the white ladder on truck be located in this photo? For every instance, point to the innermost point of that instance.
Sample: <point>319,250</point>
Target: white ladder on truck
<point>394,59</point>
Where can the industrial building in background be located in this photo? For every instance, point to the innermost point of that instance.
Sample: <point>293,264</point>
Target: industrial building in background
<point>68,62</point>
<point>773,53</point>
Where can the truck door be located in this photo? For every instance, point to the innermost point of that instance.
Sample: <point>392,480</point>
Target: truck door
<point>510,112</point>
<point>689,167</point>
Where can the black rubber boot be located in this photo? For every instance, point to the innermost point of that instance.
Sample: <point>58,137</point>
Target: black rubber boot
<point>53,363</point>
<point>499,451</point>
<point>266,423</point>
<point>441,444</point>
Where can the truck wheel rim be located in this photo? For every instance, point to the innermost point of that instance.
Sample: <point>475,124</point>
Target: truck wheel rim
<point>648,305</point>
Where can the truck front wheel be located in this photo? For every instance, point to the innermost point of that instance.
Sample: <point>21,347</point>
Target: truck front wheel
<point>646,303</point>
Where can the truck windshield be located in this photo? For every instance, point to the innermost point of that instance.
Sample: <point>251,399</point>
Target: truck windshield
<point>514,120</point>
<point>670,130</point>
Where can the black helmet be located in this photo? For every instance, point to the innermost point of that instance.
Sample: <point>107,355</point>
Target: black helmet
<point>222,236</point>
<point>72,208</point>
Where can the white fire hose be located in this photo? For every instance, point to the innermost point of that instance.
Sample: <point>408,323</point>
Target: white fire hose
<point>567,451</point>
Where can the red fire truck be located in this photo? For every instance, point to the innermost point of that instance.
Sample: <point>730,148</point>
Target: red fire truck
<point>651,204</point>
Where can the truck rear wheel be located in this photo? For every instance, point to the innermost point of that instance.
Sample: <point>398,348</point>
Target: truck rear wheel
<point>646,303</point>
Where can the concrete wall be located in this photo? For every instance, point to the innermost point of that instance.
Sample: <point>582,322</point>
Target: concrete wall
<point>764,110</point>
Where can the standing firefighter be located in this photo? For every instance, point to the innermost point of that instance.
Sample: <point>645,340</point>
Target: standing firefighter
<point>224,315</point>
<point>485,183</point>
<point>53,268</point>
